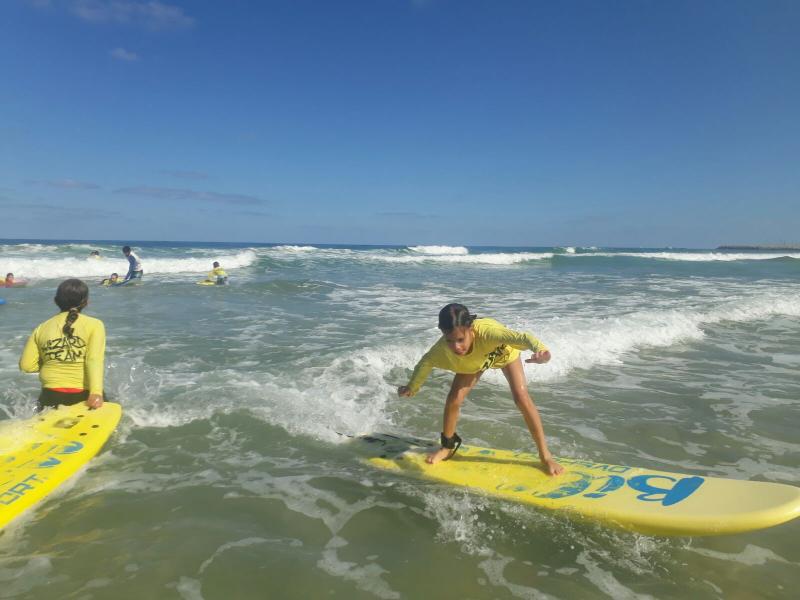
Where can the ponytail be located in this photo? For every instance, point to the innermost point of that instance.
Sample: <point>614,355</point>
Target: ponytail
<point>71,318</point>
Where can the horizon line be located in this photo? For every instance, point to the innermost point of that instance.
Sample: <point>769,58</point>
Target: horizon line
<point>406,245</point>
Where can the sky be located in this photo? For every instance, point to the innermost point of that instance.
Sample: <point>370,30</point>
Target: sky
<point>492,122</point>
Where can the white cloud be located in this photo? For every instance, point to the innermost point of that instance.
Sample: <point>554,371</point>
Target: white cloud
<point>186,174</point>
<point>162,193</point>
<point>66,184</point>
<point>151,13</point>
<point>122,54</point>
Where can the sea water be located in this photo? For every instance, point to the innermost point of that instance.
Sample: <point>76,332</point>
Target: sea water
<point>232,476</point>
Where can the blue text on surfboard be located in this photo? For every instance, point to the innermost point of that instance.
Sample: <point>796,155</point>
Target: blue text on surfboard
<point>18,490</point>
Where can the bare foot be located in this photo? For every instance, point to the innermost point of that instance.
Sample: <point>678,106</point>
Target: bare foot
<point>551,467</point>
<point>438,456</point>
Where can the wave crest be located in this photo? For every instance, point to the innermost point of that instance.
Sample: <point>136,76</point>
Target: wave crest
<point>439,249</point>
<point>56,268</point>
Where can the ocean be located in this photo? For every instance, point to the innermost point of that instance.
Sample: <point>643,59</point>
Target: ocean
<point>232,474</point>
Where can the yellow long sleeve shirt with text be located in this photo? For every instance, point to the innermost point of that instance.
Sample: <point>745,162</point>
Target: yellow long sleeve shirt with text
<point>62,361</point>
<point>494,347</point>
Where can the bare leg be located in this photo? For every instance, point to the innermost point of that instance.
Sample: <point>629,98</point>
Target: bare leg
<point>461,386</point>
<point>519,390</point>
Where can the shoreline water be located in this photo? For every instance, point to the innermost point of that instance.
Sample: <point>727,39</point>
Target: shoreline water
<point>234,397</point>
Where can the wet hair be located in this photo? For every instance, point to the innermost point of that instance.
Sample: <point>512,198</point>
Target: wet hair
<point>9,275</point>
<point>216,264</point>
<point>115,274</point>
<point>126,249</point>
<point>71,295</point>
<point>455,315</point>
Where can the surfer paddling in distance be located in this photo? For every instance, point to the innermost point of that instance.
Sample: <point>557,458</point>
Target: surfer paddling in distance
<point>469,345</point>
<point>68,351</point>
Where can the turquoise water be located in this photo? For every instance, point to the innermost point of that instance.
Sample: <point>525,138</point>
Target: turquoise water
<point>231,475</point>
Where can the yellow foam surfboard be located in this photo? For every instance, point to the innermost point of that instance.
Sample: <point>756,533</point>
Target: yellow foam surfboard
<point>644,500</point>
<point>133,281</point>
<point>39,454</point>
<point>207,282</point>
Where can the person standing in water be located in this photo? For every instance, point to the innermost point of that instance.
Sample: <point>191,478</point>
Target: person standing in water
<point>217,275</point>
<point>469,346</point>
<point>134,266</point>
<point>68,351</point>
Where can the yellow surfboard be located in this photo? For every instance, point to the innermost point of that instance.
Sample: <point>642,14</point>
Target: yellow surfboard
<point>643,500</point>
<point>207,282</point>
<point>39,454</point>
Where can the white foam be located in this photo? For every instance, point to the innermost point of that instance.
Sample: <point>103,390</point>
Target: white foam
<point>751,556</point>
<point>348,396</point>
<point>294,249</point>
<point>242,543</point>
<point>697,256</point>
<point>495,566</point>
<point>334,511</point>
<point>439,249</point>
<point>493,258</point>
<point>189,588</point>
<point>456,512</point>
<point>415,255</point>
<point>587,342</point>
<point>366,577</point>
<point>580,342</point>
<point>21,581</point>
<point>56,268</point>
<point>606,582</point>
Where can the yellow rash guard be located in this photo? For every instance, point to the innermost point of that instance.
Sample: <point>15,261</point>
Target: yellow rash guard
<point>494,347</point>
<point>67,362</point>
<point>218,272</point>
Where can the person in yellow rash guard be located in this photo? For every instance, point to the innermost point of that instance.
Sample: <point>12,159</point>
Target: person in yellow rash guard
<point>468,347</point>
<point>110,280</point>
<point>217,275</point>
<point>68,351</point>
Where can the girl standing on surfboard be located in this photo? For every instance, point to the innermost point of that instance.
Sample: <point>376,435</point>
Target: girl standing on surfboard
<point>469,345</point>
<point>68,351</point>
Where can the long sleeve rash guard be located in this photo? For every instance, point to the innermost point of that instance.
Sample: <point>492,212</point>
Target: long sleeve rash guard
<point>494,347</point>
<point>62,361</point>
<point>134,265</point>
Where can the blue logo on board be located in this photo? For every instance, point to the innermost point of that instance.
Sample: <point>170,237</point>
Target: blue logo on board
<point>663,489</point>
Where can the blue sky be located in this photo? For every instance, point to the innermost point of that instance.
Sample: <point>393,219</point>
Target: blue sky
<point>513,122</point>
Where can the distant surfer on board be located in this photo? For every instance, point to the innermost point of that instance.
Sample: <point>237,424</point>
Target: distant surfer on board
<point>469,345</point>
<point>134,265</point>
<point>68,351</point>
